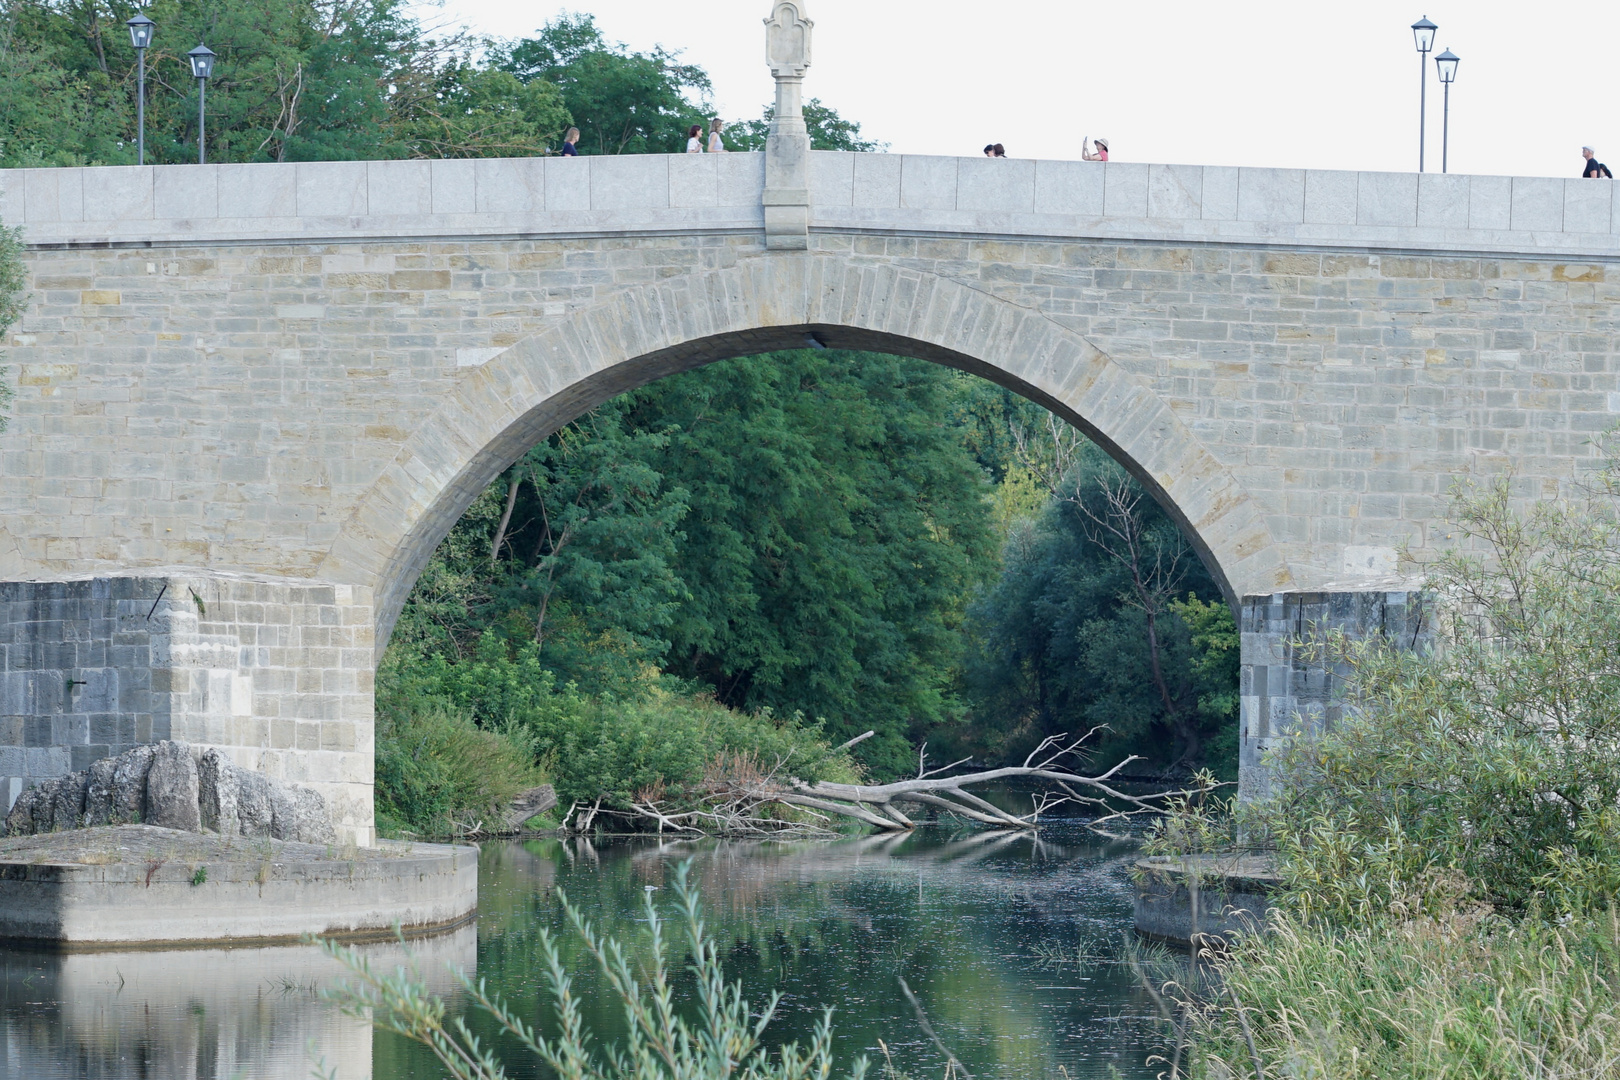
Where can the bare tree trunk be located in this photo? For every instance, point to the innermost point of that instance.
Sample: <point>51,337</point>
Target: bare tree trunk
<point>506,519</point>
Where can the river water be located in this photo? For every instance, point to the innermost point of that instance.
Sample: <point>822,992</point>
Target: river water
<point>986,929</point>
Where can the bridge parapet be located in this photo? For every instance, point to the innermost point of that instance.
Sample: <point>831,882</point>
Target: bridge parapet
<point>673,193</point>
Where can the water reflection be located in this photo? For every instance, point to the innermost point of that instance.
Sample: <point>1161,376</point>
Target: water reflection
<point>964,918</point>
<point>195,1014</point>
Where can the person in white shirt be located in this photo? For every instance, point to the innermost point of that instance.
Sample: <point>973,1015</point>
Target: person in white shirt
<point>715,145</point>
<point>694,139</point>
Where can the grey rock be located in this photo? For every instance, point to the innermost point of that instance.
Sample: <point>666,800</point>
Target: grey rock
<point>283,813</point>
<point>218,785</point>
<point>171,789</point>
<point>129,783</point>
<point>100,781</point>
<point>20,822</point>
<point>253,813</point>
<point>312,824</point>
<point>67,801</point>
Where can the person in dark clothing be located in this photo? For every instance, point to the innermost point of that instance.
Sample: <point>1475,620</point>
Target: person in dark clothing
<point>571,143</point>
<point>1594,167</point>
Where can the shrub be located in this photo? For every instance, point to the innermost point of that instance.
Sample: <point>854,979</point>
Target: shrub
<point>438,773</point>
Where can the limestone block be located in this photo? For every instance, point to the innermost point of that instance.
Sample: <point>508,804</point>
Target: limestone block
<point>627,181</point>
<point>1442,201</point>
<point>171,788</point>
<point>1330,197</point>
<point>218,785</point>
<point>256,191</point>
<point>927,183</point>
<point>1002,185</point>
<point>455,186</point>
<point>118,192</point>
<point>400,188</point>
<point>1538,204</point>
<point>1069,187</point>
<point>332,189</point>
<point>694,180</point>
<point>877,181</point>
<point>741,179</point>
<point>1175,191</point>
<point>128,796</point>
<point>1218,196</point>
<point>255,815</point>
<point>1490,202</point>
<point>1125,189</point>
<point>1389,199</point>
<point>54,195</point>
<point>1587,205</point>
<point>185,192</point>
<point>568,184</point>
<point>832,178</point>
<point>1275,196</point>
<point>13,198</point>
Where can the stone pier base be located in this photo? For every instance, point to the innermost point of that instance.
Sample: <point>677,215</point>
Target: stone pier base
<point>276,674</point>
<point>1283,690</point>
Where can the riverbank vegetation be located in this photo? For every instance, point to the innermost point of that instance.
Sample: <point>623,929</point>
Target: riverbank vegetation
<point>1451,851</point>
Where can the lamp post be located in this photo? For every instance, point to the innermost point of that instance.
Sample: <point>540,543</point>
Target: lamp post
<point>202,66</point>
<point>1447,63</point>
<point>140,36</point>
<point>1423,34</point>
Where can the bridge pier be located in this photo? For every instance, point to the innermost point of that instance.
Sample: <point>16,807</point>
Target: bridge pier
<point>1283,690</point>
<point>276,673</point>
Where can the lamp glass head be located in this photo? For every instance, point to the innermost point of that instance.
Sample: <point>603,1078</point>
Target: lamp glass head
<point>1447,63</point>
<point>140,31</point>
<point>1423,34</point>
<point>202,61</point>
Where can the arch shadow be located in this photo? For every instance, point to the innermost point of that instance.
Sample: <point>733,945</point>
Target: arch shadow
<point>774,302</point>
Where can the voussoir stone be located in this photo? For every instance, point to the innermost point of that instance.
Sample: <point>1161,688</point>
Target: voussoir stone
<point>171,788</point>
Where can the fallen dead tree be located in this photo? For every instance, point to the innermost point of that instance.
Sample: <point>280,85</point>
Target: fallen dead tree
<point>741,797</point>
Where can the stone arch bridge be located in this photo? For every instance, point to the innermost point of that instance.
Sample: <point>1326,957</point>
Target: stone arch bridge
<point>251,399</point>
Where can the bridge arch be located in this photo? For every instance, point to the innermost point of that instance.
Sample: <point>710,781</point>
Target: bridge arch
<point>774,302</point>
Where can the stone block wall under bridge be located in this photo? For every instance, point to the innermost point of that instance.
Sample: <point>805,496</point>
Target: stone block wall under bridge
<point>278,386</point>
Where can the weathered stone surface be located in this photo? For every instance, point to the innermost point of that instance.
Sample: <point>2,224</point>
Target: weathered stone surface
<point>129,784</point>
<point>100,780</point>
<point>20,821</point>
<point>67,801</point>
<point>171,789</point>
<point>255,816</point>
<point>218,784</point>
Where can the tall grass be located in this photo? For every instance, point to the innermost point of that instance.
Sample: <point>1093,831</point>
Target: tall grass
<point>1465,996</point>
<point>439,774</point>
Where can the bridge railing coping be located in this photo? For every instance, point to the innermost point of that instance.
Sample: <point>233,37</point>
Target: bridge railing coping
<point>971,196</point>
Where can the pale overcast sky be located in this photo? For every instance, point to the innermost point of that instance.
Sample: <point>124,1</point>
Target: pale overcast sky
<point>1249,82</point>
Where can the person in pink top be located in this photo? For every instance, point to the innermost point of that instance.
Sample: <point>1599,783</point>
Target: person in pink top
<point>1102,149</point>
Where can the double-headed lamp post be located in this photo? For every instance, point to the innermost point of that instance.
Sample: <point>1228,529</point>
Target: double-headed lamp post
<point>1447,63</point>
<point>202,66</point>
<point>140,36</point>
<point>1423,34</point>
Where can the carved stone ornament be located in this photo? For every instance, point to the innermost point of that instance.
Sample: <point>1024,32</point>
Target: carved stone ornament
<point>787,40</point>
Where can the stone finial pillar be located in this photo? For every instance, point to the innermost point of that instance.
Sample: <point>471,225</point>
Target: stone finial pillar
<point>787,147</point>
<point>1282,689</point>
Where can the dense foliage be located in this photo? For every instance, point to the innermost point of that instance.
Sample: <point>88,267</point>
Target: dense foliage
<point>13,295</point>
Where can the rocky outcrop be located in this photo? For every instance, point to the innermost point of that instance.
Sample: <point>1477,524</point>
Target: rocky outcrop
<point>167,784</point>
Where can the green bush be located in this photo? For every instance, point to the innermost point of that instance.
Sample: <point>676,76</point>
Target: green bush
<point>1496,755</point>
<point>438,773</point>
<point>659,742</point>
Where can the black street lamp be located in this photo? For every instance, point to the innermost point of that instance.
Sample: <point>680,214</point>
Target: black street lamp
<point>140,36</point>
<point>1447,63</point>
<point>202,66</point>
<point>1423,34</point>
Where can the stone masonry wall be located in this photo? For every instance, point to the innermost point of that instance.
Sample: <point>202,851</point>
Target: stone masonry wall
<point>276,674</point>
<point>1283,690</point>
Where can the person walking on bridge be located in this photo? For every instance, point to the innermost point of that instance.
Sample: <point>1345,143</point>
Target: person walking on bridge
<point>716,145</point>
<point>1594,167</point>
<point>1102,149</point>
<point>694,139</point>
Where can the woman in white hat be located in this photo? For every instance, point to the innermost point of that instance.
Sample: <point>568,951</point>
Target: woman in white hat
<point>1102,149</point>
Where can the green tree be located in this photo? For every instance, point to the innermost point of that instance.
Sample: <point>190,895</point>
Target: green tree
<point>623,102</point>
<point>13,296</point>
<point>1089,624</point>
<point>828,130</point>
